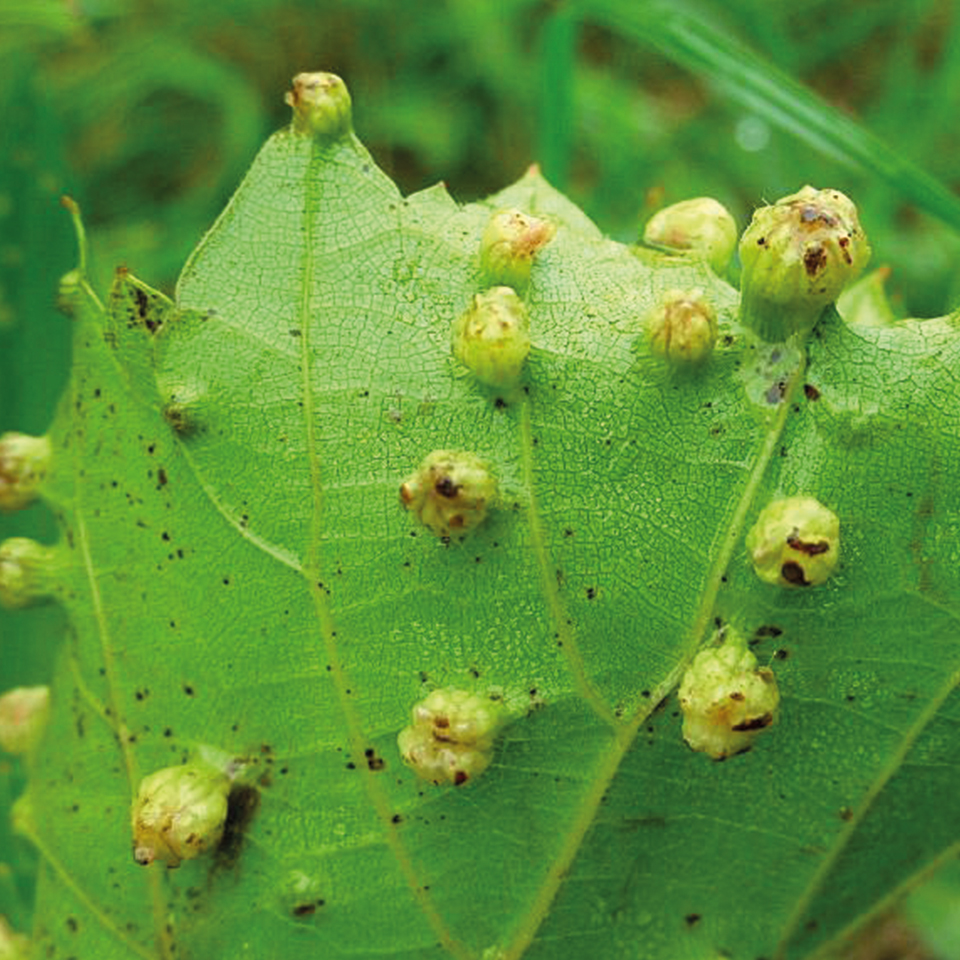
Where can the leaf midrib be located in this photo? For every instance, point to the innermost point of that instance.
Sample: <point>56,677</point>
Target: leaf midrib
<point>311,568</point>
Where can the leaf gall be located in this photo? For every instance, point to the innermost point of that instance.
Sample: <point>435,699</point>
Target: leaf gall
<point>451,737</point>
<point>795,542</point>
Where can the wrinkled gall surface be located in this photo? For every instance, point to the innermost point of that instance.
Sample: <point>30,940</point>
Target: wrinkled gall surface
<point>240,576</point>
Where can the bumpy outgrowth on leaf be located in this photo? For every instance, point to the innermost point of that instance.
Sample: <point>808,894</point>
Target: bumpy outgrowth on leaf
<point>452,736</point>
<point>701,226</point>
<point>492,338</point>
<point>797,257</point>
<point>13,945</point>
<point>450,493</point>
<point>24,461</point>
<point>179,813</point>
<point>683,327</point>
<point>23,717</point>
<point>795,542</point>
<point>27,572</point>
<point>321,105</point>
<point>726,699</point>
<point>509,244</point>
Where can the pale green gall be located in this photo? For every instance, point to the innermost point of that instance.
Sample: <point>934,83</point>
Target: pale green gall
<point>797,256</point>
<point>510,242</point>
<point>13,945</point>
<point>179,813</point>
<point>727,700</point>
<point>321,106</point>
<point>682,328</point>
<point>23,717</point>
<point>24,462</point>
<point>450,492</point>
<point>27,572</point>
<point>795,543</point>
<point>492,339</point>
<point>452,736</point>
<point>701,227</point>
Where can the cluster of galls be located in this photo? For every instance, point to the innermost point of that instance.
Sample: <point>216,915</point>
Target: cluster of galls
<point>452,490</point>
<point>727,700</point>
<point>796,257</point>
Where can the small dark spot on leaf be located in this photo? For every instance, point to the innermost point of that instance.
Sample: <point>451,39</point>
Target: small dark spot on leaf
<point>591,593</point>
<point>188,690</point>
<point>782,654</point>
<point>373,761</point>
<point>242,805</point>
<point>500,403</point>
<point>692,919</point>
<point>460,778</point>
<point>811,392</point>
<point>568,532</point>
<point>846,813</point>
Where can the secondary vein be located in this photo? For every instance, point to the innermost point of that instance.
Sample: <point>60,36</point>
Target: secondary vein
<point>626,732</point>
<point>558,614</point>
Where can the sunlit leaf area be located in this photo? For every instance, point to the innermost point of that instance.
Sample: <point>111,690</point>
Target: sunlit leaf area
<point>417,559</point>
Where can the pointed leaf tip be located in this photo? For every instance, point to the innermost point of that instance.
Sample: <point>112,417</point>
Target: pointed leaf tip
<point>73,208</point>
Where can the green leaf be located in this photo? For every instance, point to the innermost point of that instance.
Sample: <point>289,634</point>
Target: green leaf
<point>242,583</point>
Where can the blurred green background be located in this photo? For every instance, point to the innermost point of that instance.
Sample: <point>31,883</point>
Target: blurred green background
<point>149,111</point>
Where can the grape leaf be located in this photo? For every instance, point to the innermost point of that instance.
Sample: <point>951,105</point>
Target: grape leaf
<point>242,582</point>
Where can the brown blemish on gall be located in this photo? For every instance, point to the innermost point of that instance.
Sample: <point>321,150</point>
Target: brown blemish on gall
<point>810,549</point>
<point>793,573</point>
<point>446,488</point>
<point>814,260</point>
<point>754,723</point>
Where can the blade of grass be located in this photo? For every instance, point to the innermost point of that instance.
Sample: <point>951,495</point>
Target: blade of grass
<point>558,58</point>
<point>690,40</point>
